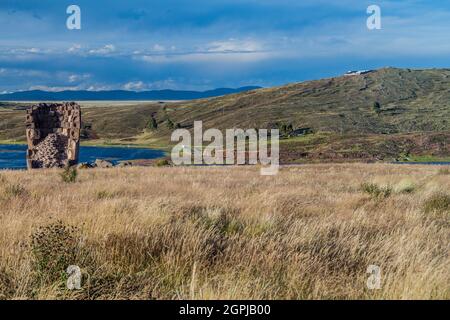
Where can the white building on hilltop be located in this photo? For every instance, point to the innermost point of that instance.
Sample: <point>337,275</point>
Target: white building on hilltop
<point>357,72</point>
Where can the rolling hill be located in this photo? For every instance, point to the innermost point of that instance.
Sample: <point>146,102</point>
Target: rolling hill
<point>386,114</point>
<point>409,101</point>
<point>117,95</point>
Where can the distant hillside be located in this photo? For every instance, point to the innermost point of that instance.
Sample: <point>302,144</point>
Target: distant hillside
<point>407,101</point>
<point>384,115</point>
<point>117,95</point>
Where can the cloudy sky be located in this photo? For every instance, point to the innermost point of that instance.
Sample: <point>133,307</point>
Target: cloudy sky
<point>181,44</point>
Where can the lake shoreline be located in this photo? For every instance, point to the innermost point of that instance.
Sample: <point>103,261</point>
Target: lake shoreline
<point>13,156</point>
<point>165,152</point>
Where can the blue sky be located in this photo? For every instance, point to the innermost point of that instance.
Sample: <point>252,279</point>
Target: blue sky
<point>199,45</point>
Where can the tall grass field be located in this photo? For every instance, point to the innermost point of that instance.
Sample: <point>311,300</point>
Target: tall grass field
<point>311,232</point>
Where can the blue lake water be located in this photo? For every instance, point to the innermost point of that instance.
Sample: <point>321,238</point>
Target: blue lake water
<point>13,156</point>
<point>436,163</point>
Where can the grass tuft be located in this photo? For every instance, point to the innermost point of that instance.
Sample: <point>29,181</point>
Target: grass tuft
<point>438,202</point>
<point>376,191</point>
<point>69,175</point>
<point>405,186</point>
<point>14,190</point>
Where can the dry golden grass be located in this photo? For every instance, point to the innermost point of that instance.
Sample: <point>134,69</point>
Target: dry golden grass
<point>226,233</point>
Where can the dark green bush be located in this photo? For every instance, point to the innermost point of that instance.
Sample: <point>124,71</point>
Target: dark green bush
<point>69,175</point>
<point>162,163</point>
<point>152,124</point>
<point>377,107</point>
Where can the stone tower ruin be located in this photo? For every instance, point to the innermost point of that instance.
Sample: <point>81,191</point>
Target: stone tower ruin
<point>53,135</point>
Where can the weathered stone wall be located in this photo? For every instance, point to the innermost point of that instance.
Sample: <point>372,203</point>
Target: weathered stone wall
<point>53,134</point>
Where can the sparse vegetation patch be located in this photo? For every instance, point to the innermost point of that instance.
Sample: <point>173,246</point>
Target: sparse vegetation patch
<point>69,175</point>
<point>376,191</point>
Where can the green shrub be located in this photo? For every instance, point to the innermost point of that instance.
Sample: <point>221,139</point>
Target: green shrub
<point>170,124</point>
<point>69,175</point>
<point>162,163</point>
<point>152,124</point>
<point>376,191</point>
<point>377,107</point>
<point>438,202</point>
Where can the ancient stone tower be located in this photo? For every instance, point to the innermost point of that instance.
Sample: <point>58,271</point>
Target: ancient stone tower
<point>53,134</point>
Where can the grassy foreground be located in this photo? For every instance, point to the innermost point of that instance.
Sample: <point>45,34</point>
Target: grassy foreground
<point>227,233</point>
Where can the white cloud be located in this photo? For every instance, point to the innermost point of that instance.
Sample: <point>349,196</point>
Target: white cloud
<point>107,49</point>
<point>78,77</point>
<point>158,47</point>
<point>163,84</point>
<point>135,86</point>
<point>33,50</point>
<point>234,45</point>
<point>212,57</point>
<point>99,87</point>
<point>73,78</point>
<point>25,51</point>
<point>74,48</point>
<point>54,89</point>
<point>229,51</point>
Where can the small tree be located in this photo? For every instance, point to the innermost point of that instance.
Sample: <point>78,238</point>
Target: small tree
<point>152,124</point>
<point>170,124</point>
<point>377,107</point>
<point>290,128</point>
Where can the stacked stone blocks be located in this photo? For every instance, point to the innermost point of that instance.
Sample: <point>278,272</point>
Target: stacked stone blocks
<point>53,135</point>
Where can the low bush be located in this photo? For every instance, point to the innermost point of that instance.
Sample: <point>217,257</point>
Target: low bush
<point>162,163</point>
<point>376,191</point>
<point>69,175</point>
